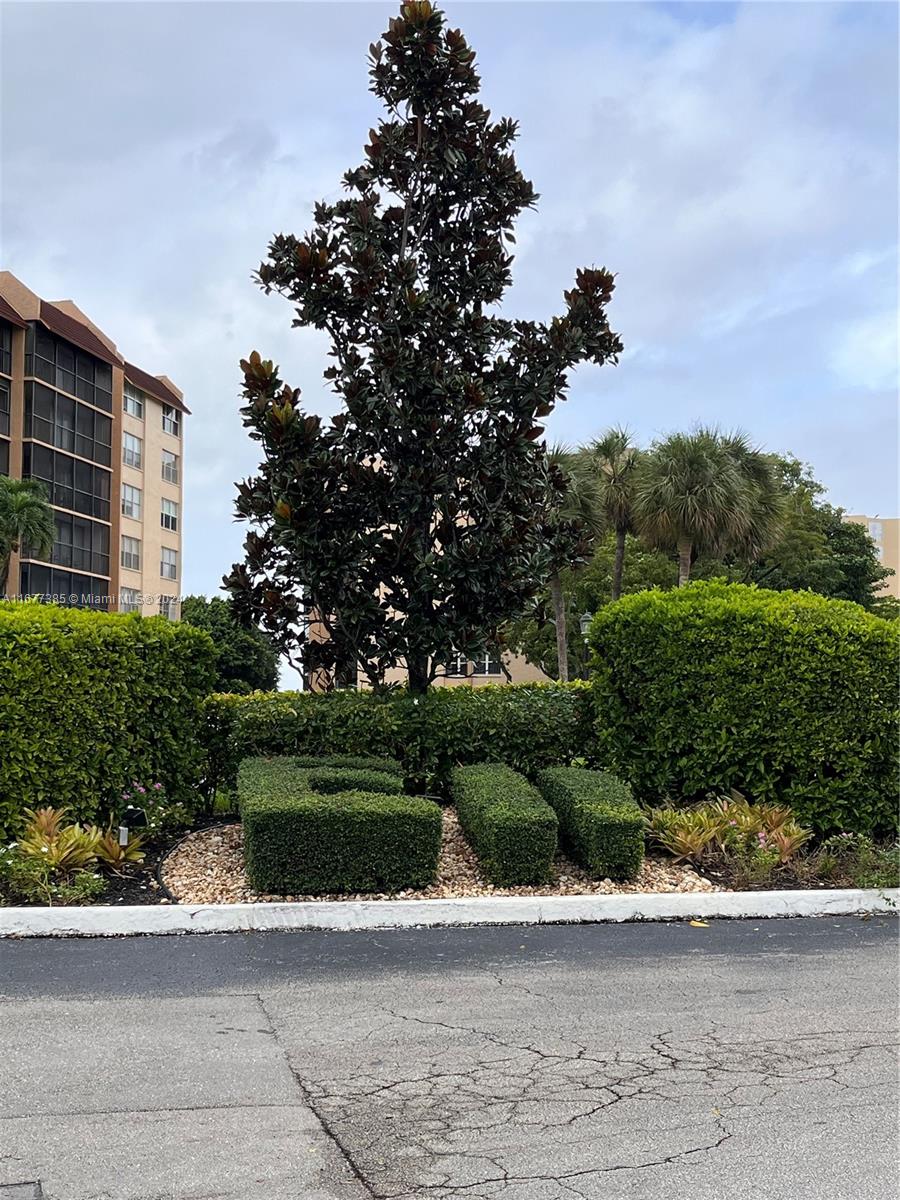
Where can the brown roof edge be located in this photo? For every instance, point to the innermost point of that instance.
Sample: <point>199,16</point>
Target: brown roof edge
<point>160,389</point>
<point>75,332</point>
<point>8,313</point>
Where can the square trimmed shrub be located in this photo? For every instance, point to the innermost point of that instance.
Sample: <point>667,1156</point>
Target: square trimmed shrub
<point>331,780</point>
<point>90,701</point>
<point>600,824</point>
<point>511,827</point>
<point>298,842</point>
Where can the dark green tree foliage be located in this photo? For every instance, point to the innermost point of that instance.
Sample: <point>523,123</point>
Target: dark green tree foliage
<point>415,521</point>
<point>818,550</point>
<point>246,660</point>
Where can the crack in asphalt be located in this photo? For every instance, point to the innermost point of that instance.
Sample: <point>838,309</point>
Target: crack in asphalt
<point>514,1081</point>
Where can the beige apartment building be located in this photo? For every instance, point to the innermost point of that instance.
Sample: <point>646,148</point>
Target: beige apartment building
<point>106,438</point>
<point>885,533</point>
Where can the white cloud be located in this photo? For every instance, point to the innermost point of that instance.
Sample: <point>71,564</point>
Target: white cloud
<point>866,352</point>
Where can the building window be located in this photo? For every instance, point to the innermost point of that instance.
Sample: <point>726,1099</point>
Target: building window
<point>168,517</point>
<point>131,502</point>
<point>70,482</point>
<point>171,420</point>
<point>134,401</point>
<point>62,422</point>
<point>167,607</point>
<point>4,457</point>
<point>132,451</point>
<point>169,466</point>
<point>4,407</point>
<point>487,664</point>
<point>457,667</point>
<point>41,582</point>
<point>129,600</point>
<point>131,553</point>
<point>168,563</point>
<point>80,544</point>
<point>62,366</point>
<point>5,348</point>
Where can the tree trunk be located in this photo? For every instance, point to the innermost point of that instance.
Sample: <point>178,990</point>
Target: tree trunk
<point>559,616</point>
<point>684,561</point>
<point>618,564</point>
<point>4,575</point>
<point>417,669</point>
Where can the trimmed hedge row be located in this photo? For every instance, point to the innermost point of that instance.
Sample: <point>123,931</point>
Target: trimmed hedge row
<point>328,781</point>
<point>350,762</point>
<point>91,701</point>
<point>527,726</point>
<point>600,824</point>
<point>511,828</point>
<point>298,842</point>
<point>785,696</point>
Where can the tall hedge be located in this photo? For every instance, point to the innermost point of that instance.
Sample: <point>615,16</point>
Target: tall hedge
<point>526,726</point>
<point>90,701</point>
<point>784,695</point>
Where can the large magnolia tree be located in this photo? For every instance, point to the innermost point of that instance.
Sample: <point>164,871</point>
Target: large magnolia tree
<point>422,516</point>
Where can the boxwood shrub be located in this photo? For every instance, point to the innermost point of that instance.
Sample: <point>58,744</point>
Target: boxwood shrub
<point>350,762</point>
<point>511,827</point>
<point>297,842</point>
<point>330,780</point>
<point>785,696</point>
<point>91,701</point>
<point>526,726</point>
<point>600,823</point>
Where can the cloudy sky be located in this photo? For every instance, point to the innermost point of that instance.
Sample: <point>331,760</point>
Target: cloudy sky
<point>735,164</point>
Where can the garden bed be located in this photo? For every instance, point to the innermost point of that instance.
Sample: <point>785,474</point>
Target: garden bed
<point>207,867</point>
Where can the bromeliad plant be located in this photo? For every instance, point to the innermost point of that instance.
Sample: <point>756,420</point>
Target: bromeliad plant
<point>728,833</point>
<point>52,861</point>
<point>113,854</point>
<point>416,522</point>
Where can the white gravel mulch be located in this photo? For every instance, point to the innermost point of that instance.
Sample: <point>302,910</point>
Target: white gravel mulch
<point>208,868</point>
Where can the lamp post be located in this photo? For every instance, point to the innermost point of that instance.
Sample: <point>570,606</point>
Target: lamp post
<point>585,624</point>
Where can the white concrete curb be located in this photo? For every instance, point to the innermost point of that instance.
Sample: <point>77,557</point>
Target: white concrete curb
<point>406,914</point>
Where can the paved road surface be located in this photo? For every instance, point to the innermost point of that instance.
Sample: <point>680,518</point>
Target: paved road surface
<point>746,1061</point>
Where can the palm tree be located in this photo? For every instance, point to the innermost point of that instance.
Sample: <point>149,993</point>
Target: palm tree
<point>25,518</point>
<point>614,459</point>
<point>705,491</point>
<point>579,519</point>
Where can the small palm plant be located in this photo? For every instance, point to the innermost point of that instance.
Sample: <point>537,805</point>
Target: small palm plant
<point>26,518</point>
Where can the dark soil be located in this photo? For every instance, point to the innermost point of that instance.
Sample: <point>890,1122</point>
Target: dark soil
<point>138,883</point>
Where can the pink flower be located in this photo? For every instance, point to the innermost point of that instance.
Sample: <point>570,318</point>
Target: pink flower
<point>157,787</point>
<point>142,791</point>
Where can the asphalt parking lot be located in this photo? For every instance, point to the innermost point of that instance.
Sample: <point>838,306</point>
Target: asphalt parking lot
<point>748,1060</point>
